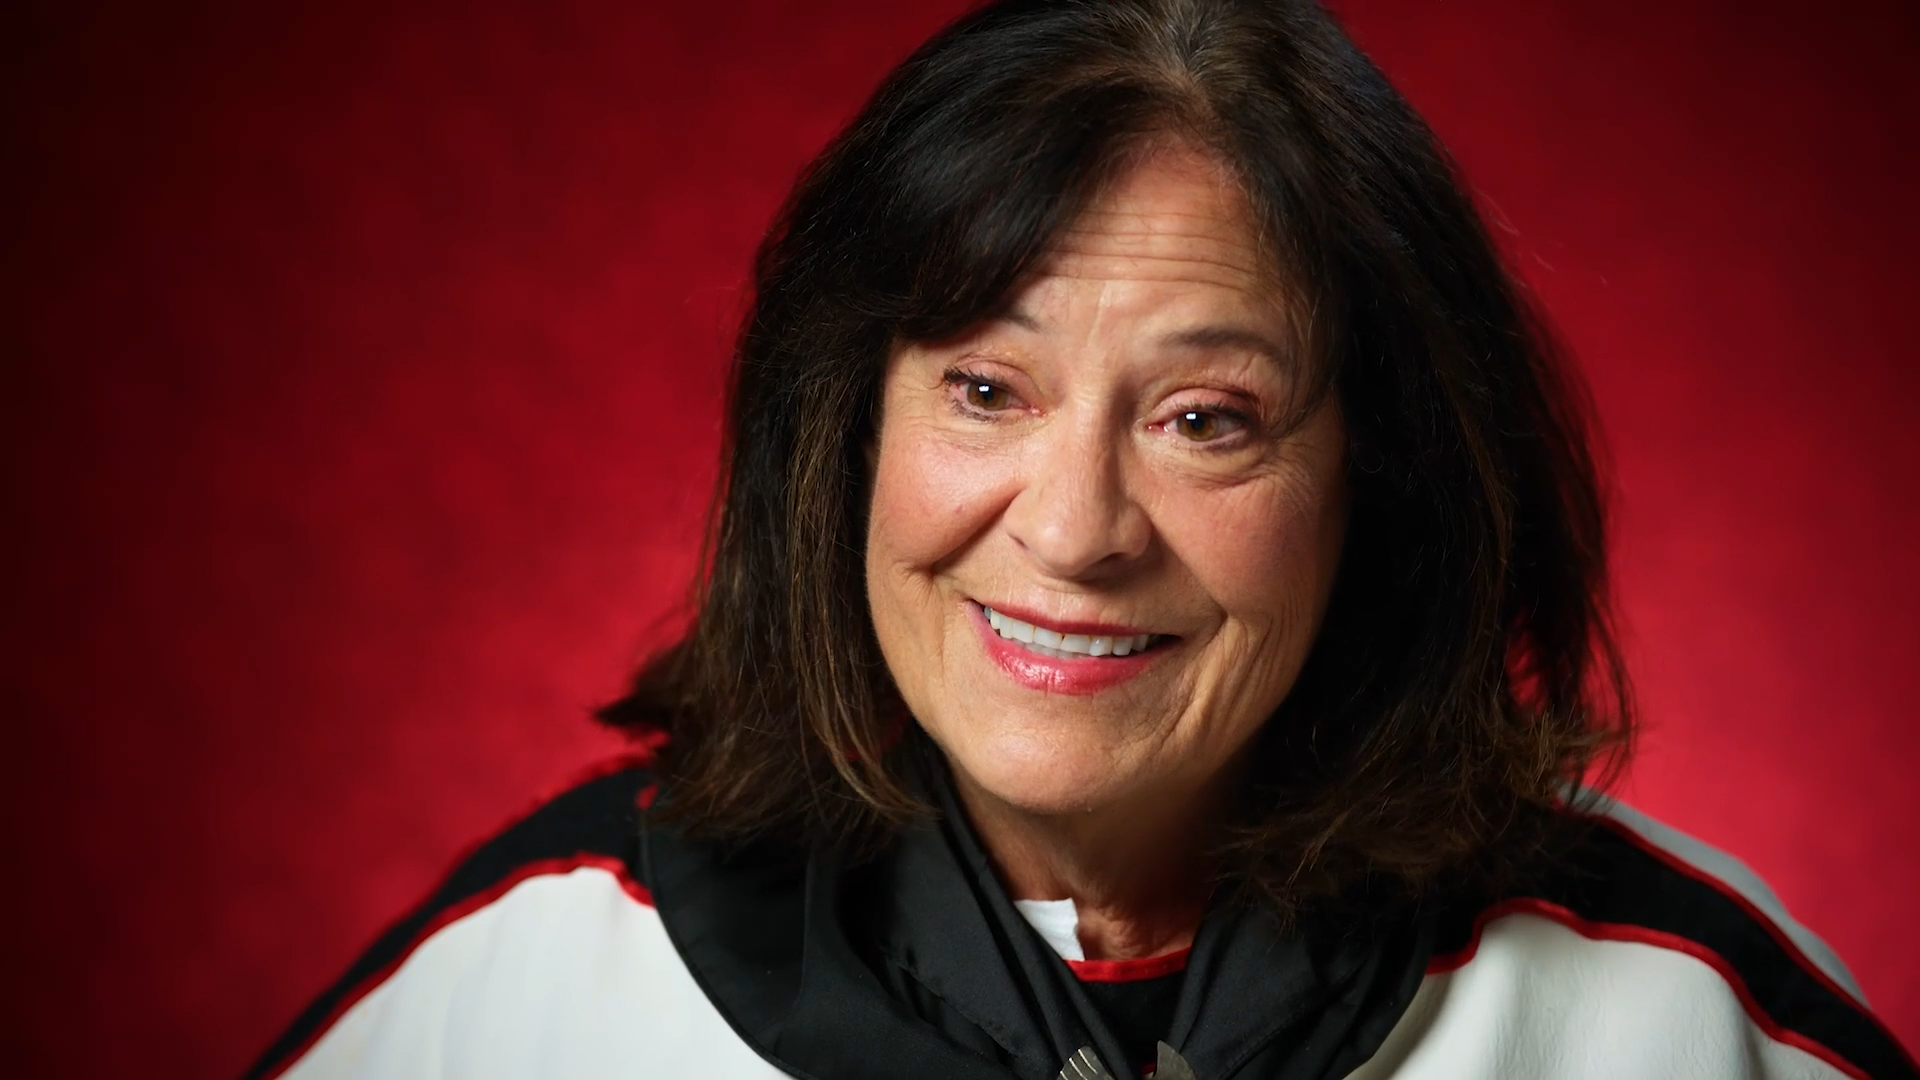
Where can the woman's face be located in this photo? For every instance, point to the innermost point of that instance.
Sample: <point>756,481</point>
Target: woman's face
<point>1108,461</point>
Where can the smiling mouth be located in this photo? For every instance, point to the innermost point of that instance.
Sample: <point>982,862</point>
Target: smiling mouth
<point>1061,646</point>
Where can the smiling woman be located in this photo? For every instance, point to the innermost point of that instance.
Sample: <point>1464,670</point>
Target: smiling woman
<point>1103,534</point>
<point>1155,623</point>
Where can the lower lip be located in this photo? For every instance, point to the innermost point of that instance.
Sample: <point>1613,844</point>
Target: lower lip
<point>1054,675</point>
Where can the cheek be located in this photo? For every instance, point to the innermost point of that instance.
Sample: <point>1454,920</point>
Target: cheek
<point>930,498</point>
<point>930,501</point>
<point>1292,563</point>
<point>1267,554</point>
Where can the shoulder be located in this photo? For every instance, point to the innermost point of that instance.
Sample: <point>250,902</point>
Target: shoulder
<point>540,953</point>
<point>1646,953</point>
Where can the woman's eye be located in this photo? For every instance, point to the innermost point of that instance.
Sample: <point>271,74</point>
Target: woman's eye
<point>979,394</point>
<point>986,396</point>
<point>1201,425</point>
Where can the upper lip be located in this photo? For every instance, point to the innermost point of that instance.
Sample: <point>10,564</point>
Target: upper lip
<point>1067,626</point>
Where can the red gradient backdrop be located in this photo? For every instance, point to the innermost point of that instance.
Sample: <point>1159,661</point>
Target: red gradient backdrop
<point>362,375</point>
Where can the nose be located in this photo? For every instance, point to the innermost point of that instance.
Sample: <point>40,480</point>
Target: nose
<point>1075,515</point>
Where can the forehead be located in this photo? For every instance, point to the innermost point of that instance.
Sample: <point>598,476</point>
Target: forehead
<point>1170,214</point>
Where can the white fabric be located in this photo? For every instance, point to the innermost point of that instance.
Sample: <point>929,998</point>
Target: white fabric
<point>1538,1000</point>
<point>565,976</point>
<point>1058,924</point>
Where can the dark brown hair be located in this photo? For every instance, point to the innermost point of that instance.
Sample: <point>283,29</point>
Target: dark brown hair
<point>1465,673</point>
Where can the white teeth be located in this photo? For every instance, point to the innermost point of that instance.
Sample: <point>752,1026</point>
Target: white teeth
<point>1053,643</point>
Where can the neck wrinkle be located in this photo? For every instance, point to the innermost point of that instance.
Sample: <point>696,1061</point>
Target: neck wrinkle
<point>1140,881</point>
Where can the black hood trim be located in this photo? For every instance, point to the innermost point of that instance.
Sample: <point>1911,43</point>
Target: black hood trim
<point>916,963</point>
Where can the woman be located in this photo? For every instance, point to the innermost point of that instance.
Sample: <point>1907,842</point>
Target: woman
<point>1155,623</point>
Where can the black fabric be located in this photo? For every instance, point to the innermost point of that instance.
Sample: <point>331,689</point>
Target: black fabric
<point>598,817</point>
<point>1610,877</point>
<point>761,934</point>
<point>1139,1012</point>
<point>917,964</point>
<point>1291,1000</point>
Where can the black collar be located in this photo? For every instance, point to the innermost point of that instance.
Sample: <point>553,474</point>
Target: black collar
<point>917,964</point>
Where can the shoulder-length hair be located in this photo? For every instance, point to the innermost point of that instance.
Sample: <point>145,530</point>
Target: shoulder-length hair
<point>1465,672</point>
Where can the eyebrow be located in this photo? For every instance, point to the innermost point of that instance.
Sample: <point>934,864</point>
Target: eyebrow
<point>1205,338</point>
<point>1231,337</point>
<point>1020,319</point>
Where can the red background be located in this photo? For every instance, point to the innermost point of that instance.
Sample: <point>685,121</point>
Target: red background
<point>361,390</point>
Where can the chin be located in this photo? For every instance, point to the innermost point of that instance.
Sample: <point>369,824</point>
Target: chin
<point>1042,776</point>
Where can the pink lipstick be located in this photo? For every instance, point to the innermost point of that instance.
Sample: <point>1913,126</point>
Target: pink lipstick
<point>1073,658</point>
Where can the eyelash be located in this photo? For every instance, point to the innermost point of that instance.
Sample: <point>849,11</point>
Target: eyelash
<point>966,382</point>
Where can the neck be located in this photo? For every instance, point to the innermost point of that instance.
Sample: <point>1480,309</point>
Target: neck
<point>1139,876</point>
